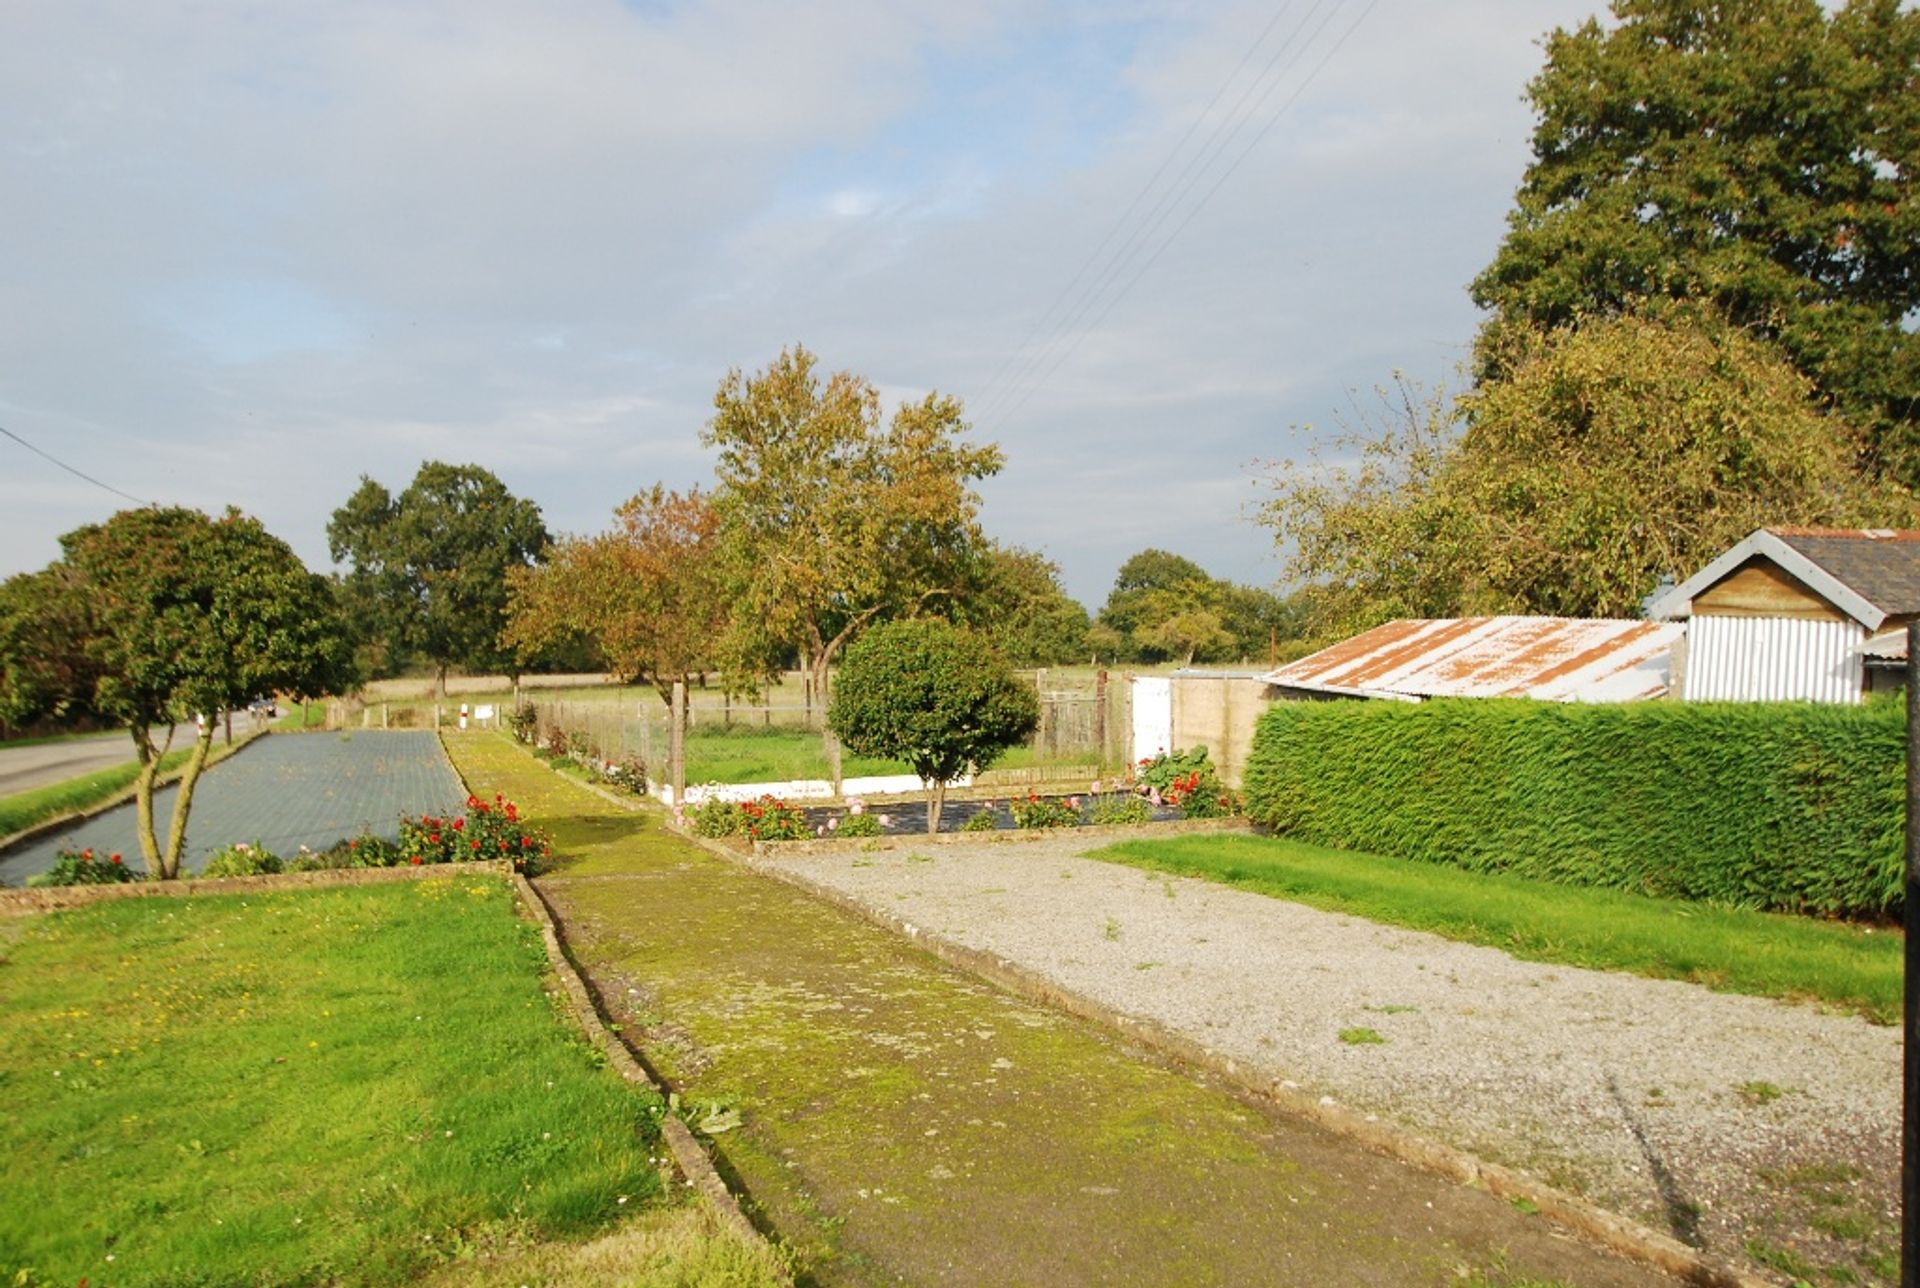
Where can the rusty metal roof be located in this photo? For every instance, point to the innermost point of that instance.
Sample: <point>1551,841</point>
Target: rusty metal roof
<point>1557,659</point>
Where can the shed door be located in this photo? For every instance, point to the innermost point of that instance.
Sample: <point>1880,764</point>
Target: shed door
<point>1152,716</point>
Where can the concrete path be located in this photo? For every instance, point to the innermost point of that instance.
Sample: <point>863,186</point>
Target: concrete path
<point>895,1121</point>
<point>282,791</point>
<point>1760,1131</point>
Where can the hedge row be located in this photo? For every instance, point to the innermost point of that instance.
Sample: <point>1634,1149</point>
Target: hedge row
<point>1787,806</point>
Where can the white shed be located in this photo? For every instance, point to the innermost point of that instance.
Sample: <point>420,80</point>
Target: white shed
<point>1786,613</point>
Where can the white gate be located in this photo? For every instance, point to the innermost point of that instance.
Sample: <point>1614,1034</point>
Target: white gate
<point>1152,717</point>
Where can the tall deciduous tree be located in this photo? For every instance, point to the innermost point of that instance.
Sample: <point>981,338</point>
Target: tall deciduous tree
<point>169,614</point>
<point>430,565</point>
<point>1613,451</point>
<point>646,593</point>
<point>934,695</point>
<point>1018,603</point>
<point>1760,155</point>
<point>831,519</point>
<point>1166,606</point>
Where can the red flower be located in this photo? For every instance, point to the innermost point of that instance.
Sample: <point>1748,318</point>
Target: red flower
<point>524,842</point>
<point>116,858</point>
<point>476,845</point>
<point>459,824</point>
<point>472,801</point>
<point>434,839</point>
<point>415,860</point>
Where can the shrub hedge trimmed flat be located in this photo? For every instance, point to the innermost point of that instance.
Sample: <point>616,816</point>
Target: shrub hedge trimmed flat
<point>1790,806</point>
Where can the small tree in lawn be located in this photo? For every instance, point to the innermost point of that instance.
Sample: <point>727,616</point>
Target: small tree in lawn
<point>161,614</point>
<point>934,695</point>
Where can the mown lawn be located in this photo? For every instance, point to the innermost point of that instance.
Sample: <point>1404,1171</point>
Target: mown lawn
<point>358,1086</point>
<point>1734,949</point>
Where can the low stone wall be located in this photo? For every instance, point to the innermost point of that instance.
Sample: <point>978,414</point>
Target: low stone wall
<point>1013,836</point>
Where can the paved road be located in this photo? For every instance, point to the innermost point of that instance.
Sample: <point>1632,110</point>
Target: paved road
<point>283,791</point>
<point>24,768</point>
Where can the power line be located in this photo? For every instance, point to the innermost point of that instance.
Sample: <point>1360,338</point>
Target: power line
<point>1020,399</point>
<point>990,391</point>
<point>1036,370</point>
<point>1219,134</point>
<point>79,474</point>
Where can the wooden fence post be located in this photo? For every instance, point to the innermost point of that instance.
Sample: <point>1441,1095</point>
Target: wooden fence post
<point>1100,714</point>
<point>677,742</point>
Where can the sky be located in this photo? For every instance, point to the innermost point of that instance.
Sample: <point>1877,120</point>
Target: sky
<point>251,252</point>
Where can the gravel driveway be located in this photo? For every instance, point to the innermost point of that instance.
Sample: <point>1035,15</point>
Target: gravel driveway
<point>1758,1130</point>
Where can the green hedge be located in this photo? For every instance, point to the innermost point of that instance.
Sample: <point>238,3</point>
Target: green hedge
<point>1768,805</point>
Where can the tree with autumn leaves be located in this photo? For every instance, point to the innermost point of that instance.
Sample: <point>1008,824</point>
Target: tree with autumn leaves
<point>646,591</point>
<point>832,516</point>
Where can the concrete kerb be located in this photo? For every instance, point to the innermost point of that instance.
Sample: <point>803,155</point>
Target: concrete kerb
<point>694,1166</point>
<point>689,1157</point>
<point>1608,1229</point>
<point>48,826</point>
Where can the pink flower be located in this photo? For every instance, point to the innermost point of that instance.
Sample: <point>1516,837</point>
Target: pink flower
<point>832,823</point>
<point>855,805</point>
<point>886,820</point>
<point>1094,788</point>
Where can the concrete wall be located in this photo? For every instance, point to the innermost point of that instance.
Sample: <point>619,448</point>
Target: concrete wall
<point>1218,712</point>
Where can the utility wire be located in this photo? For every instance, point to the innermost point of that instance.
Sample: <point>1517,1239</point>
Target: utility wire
<point>1020,399</point>
<point>991,390</point>
<point>69,469</point>
<point>1219,135</point>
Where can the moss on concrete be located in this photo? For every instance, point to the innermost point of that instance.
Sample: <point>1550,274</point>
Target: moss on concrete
<point>901,1121</point>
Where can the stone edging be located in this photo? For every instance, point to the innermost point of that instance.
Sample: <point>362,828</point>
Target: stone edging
<point>125,794</point>
<point>688,1155</point>
<point>38,899</point>
<point>1001,836</point>
<point>1609,1229</point>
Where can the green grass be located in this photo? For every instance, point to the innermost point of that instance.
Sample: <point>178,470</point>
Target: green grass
<point>342,1086</point>
<point>1733,949</point>
<point>24,809</point>
<point>47,740</point>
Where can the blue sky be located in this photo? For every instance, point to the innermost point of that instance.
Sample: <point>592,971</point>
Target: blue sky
<point>255,251</point>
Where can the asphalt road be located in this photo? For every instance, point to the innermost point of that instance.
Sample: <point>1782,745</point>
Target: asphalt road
<point>24,768</point>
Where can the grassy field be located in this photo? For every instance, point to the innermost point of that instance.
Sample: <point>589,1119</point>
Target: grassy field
<point>24,809</point>
<point>1732,949</point>
<point>357,1086</point>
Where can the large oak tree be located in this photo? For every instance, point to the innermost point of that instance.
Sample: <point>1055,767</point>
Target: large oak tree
<point>1760,156</point>
<point>429,567</point>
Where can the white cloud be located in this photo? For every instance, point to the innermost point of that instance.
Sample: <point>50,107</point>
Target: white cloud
<point>255,252</point>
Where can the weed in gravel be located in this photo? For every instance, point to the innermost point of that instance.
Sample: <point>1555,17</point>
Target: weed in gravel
<point>1760,1093</point>
<point>1785,1260</point>
<point>1147,965</point>
<point>1361,1037</point>
<point>1526,1205</point>
<point>1112,929</point>
<point>1391,1008</point>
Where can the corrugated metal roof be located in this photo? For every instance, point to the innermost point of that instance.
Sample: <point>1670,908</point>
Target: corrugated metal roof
<point>1557,659</point>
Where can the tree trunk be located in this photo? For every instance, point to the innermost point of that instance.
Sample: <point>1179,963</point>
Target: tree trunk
<point>443,680</point>
<point>143,799</point>
<point>177,829</point>
<point>936,801</point>
<point>817,680</point>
